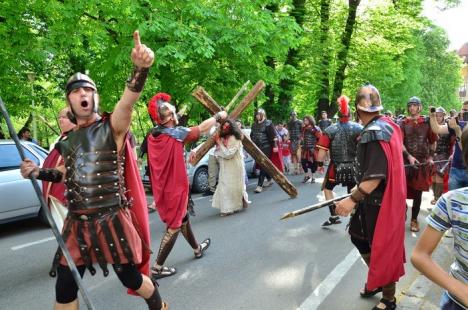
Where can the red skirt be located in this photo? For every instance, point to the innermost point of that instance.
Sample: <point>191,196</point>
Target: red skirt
<point>128,226</point>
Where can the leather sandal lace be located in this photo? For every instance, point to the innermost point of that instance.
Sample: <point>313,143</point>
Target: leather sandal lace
<point>389,304</point>
<point>162,272</point>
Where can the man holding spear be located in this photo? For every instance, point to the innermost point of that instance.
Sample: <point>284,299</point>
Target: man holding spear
<point>378,201</point>
<point>104,193</point>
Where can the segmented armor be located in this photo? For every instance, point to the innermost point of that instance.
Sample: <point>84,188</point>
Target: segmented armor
<point>294,128</point>
<point>416,137</point>
<point>343,137</point>
<point>260,137</point>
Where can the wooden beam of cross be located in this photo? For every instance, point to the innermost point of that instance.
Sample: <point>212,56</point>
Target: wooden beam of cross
<point>262,160</point>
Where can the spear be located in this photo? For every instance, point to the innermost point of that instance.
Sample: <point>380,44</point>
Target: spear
<point>314,207</point>
<point>422,164</point>
<point>44,207</point>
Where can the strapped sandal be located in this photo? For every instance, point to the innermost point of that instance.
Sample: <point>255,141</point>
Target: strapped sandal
<point>203,247</point>
<point>365,293</point>
<point>163,272</point>
<point>389,305</point>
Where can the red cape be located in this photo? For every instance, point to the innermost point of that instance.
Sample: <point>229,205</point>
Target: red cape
<point>56,190</point>
<point>136,194</point>
<point>169,179</point>
<point>388,245</point>
<point>277,158</point>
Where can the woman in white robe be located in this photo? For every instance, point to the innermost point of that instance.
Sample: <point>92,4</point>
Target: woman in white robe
<point>230,195</point>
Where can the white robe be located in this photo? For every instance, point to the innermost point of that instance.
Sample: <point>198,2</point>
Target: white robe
<point>231,186</point>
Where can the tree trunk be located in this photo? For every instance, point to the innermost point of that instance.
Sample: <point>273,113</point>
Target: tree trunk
<point>287,85</point>
<point>343,54</point>
<point>323,93</point>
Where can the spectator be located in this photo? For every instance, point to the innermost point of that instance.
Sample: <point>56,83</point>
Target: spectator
<point>451,211</point>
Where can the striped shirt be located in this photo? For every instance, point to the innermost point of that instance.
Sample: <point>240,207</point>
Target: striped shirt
<point>451,211</point>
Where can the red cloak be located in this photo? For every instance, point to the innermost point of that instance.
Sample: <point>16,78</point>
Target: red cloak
<point>277,158</point>
<point>136,194</point>
<point>169,179</point>
<point>388,245</point>
<point>56,190</point>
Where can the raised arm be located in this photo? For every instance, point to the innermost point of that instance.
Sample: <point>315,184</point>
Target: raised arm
<point>142,58</point>
<point>438,129</point>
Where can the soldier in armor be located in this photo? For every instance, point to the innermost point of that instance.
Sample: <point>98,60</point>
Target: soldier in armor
<point>263,134</point>
<point>419,143</point>
<point>104,192</point>
<point>294,128</point>
<point>324,121</point>
<point>378,201</point>
<point>309,137</point>
<point>442,153</point>
<point>169,179</point>
<point>340,140</point>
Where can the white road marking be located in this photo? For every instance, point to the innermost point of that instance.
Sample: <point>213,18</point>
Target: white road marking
<point>330,282</point>
<point>22,246</point>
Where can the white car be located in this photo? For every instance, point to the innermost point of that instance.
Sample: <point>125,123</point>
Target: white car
<point>19,200</point>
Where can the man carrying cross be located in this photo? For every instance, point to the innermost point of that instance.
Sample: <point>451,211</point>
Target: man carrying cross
<point>105,197</point>
<point>169,177</point>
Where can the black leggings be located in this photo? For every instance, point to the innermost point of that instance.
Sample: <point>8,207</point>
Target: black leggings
<point>262,177</point>
<point>416,205</point>
<point>307,164</point>
<point>363,246</point>
<point>66,290</point>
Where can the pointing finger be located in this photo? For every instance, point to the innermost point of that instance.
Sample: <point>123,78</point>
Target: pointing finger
<point>136,38</point>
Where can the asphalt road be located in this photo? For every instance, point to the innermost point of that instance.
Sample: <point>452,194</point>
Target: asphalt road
<point>255,261</point>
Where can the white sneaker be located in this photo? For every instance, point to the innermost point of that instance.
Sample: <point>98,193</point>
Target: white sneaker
<point>258,189</point>
<point>267,183</point>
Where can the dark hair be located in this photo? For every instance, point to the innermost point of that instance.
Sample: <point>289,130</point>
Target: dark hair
<point>464,142</point>
<point>311,119</point>
<point>323,112</point>
<point>233,130</point>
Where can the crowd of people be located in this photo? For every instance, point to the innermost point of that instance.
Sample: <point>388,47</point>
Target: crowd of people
<point>381,160</point>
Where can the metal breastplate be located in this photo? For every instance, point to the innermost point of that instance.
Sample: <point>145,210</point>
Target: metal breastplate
<point>294,128</point>
<point>259,134</point>
<point>443,145</point>
<point>309,138</point>
<point>94,171</point>
<point>416,139</point>
<point>343,138</point>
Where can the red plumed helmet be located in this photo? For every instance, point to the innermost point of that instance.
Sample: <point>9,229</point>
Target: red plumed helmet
<point>343,102</point>
<point>154,103</point>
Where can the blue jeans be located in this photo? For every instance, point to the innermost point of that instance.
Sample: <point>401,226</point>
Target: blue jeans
<point>446,303</point>
<point>458,178</point>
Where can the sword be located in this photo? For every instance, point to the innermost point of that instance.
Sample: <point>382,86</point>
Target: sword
<point>51,221</point>
<point>314,207</point>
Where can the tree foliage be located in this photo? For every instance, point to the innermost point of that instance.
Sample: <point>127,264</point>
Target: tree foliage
<point>303,50</point>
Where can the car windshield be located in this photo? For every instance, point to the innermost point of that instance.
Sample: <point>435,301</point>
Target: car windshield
<point>41,151</point>
<point>11,159</point>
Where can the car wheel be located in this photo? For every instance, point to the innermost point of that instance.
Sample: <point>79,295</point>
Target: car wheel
<point>200,180</point>
<point>43,218</point>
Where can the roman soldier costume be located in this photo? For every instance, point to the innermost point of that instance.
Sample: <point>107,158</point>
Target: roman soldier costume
<point>340,140</point>
<point>417,138</point>
<point>169,181</point>
<point>310,134</point>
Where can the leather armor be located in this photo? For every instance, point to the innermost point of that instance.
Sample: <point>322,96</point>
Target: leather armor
<point>310,140</point>
<point>416,138</point>
<point>443,145</point>
<point>94,169</point>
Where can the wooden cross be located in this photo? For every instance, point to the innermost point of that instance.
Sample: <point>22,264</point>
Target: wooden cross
<point>249,146</point>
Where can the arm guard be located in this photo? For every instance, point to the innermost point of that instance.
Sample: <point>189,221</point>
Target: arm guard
<point>50,175</point>
<point>137,80</point>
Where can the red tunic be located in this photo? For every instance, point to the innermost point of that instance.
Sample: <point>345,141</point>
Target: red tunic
<point>168,173</point>
<point>49,189</point>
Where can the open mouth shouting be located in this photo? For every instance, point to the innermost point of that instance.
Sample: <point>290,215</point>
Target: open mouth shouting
<point>84,104</point>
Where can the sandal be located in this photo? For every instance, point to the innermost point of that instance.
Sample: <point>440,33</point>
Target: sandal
<point>202,248</point>
<point>365,293</point>
<point>414,226</point>
<point>163,272</point>
<point>389,304</point>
